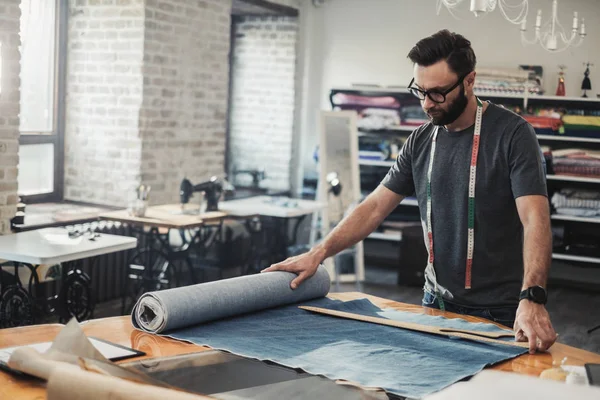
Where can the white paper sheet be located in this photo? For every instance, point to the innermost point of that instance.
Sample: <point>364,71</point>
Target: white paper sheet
<point>108,350</point>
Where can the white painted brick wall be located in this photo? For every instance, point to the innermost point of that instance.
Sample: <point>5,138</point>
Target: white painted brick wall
<point>104,96</point>
<point>263,95</point>
<point>9,110</point>
<point>186,70</point>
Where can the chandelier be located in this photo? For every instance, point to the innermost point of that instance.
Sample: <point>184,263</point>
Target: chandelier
<point>514,11</point>
<point>548,35</point>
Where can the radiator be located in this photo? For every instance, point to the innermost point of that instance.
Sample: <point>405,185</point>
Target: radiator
<point>106,272</point>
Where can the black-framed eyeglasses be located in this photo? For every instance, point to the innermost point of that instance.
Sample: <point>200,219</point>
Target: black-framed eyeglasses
<point>437,96</point>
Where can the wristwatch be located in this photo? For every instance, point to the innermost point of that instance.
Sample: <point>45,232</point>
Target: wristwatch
<point>537,294</point>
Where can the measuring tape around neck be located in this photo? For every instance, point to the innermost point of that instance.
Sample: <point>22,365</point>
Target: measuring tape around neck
<point>471,203</point>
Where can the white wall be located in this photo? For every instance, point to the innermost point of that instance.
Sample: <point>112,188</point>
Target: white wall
<point>366,41</point>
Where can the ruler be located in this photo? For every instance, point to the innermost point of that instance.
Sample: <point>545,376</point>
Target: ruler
<point>489,337</point>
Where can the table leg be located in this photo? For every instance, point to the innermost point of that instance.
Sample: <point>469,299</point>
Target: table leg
<point>76,297</point>
<point>277,239</point>
<point>253,263</point>
<point>299,220</point>
<point>16,304</point>
<point>289,245</point>
<point>180,253</point>
<point>207,236</point>
<point>148,269</point>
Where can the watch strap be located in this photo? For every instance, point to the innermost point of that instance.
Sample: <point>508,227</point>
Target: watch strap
<point>524,294</point>
<point>530,295</point>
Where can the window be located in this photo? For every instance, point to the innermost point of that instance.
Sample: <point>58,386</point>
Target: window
<point>42,101</point>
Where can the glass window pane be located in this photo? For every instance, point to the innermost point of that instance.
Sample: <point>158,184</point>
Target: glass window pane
<point>38,43</point>
<point>36,169</point>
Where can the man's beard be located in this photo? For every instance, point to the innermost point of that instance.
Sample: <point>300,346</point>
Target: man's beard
<point>456,109</point>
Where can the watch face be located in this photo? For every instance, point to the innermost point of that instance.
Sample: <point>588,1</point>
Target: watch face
<point>538,294</point>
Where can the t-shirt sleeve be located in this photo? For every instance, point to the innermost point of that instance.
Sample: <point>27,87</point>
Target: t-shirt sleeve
<point>399,178</point>
<point>526,163</point>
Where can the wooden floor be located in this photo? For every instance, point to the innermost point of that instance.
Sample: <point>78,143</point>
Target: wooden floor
<point>572,311</point>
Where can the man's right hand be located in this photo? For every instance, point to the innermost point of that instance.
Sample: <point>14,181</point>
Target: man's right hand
<point>304,265</point>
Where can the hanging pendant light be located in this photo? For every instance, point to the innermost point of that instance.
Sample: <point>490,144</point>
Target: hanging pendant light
<point>479,7</point>
<point>551,35</point>
<point>514,11</point>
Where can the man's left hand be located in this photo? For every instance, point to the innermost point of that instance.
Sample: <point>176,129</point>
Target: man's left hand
<point>532,324</point>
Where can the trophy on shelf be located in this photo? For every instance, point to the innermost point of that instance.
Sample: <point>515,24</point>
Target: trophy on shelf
<point>560,89</point>
<point>587,83</point>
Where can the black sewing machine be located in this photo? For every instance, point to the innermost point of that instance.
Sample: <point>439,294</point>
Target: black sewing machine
<point>213,188</point>
<point>257,175</point>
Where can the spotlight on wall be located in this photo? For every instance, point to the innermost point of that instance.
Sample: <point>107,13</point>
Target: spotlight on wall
<point>335,186</point>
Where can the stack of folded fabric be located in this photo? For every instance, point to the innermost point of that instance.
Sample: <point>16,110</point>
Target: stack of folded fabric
<point>546,120</point>
<point>376,118</point>
<point>576,162</point>
<point>582,125</point>
<point>374,112</point>
<point>544,125</point>
<point>413,115</point>
<point>577,202</point>
<point>346,100</point>
<point>506,81</point>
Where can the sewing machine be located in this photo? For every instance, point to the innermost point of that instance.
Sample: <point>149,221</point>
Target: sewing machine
<point>257,175</point>
<point>213,188</point>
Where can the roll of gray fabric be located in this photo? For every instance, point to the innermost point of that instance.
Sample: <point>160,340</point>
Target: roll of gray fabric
<point>170,309</point>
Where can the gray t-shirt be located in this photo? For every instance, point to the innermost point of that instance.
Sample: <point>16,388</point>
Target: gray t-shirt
<point>510,165</point>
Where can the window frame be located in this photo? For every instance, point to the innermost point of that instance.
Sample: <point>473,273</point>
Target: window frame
<point>56,137</point>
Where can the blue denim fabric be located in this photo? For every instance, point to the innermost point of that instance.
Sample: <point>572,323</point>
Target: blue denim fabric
<point>403,362</point>
<point>501,315</point>
<point>171,309</point>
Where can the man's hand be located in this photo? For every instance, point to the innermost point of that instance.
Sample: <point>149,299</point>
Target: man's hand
<point>532,323</point>
<point>304,265</point>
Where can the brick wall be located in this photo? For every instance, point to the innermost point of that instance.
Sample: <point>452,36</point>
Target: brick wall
<point>103,100</point>
<point>9,110</point>
<point>263,96</point>
<point>186,70</point>
<point>146,96</point>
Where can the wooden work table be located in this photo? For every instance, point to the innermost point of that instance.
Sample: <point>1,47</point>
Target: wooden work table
<point>119,330</point>
<point>166,216</point>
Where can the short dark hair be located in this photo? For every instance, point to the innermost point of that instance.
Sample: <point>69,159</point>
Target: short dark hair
<point>445,45</point>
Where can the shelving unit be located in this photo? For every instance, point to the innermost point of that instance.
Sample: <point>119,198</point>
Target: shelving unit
<point>569,257</point>
<point>410,202</point>
<point>391,129</point>
<point>552,138</point>
<point>591,220</point>
<point>393,237</point>
<point>568,178</point>
<point>563,98</point>
<point>555,141</point>
<point>376,163</point>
